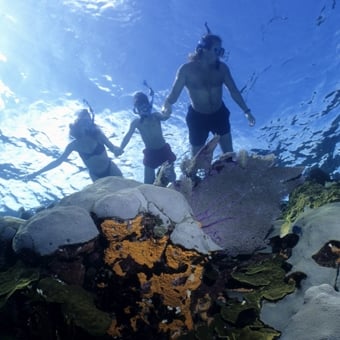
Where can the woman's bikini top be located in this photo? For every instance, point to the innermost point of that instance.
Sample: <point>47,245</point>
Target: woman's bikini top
<point>98,150</point>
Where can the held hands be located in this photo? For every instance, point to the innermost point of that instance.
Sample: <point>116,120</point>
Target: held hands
<point>117,151</point>
<point>167,109</point>
<point>29,177</point>
<point>250,117</point>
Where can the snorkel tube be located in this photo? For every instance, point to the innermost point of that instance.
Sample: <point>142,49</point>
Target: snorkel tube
<point>90,110</point>
<point>151,92</point>
<point>202,42</point>
<point>207,28</point>
<point>206,42</point>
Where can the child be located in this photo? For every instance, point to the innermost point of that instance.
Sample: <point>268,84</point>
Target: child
<point>156,151</point>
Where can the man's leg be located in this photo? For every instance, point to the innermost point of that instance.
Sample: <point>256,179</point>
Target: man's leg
<point>172,173</point>
<point>195,149</point>
<point>226,143</point>
<point>149,175</point>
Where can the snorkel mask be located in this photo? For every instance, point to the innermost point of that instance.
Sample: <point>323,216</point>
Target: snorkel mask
<point>141,104</point>
<point>83,121</point>
<point>207,41</point>
<point>84,118</point>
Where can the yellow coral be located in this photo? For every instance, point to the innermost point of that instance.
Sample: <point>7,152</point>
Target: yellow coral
<point>114,329</point>
<point>142,252</point>
<point>127,241</point>
<point>176,256</point>
<point>144,312</point>
<point>175,289</point>
<point>114,230</point>
<point>146,252</point>
<point>175,327</point>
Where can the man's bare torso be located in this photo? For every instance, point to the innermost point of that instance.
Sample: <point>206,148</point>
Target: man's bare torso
<point>204,84</point>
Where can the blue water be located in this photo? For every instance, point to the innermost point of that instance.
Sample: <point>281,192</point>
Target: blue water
<point>284,56</point>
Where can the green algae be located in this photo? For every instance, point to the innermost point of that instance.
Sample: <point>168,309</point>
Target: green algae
<point>251,333</point>
<point>218,329</point>
<point>231,311</point>
<point>77,305</point>
<point>267,278</point>
<point>309,195</point>
<point>16,278</point>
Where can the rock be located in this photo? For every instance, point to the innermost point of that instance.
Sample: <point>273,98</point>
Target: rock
<point>124,204</point>
<point>50,229</point>
<point>113,197</point>
<point>318,317</point>
<point>97,190</point>
<point>170,202</point>
<point>8,227</point>
<point>189,235</point>
<point>318,227</point>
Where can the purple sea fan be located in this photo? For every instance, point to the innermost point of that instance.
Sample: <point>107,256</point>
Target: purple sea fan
<point>237,206</point>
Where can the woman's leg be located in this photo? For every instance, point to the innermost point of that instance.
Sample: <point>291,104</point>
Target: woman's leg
<point>114,170</point>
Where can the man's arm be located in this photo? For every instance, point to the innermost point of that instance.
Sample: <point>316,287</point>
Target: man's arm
<point>236,95</point>
<point>176,90</point>
<point>54,163</point>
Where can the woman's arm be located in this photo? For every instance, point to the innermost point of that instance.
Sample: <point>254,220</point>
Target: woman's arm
<point>54,163</point>
<point>114,149</point>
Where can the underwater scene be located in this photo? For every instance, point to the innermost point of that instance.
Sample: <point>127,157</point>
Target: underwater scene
<point>169,170</point>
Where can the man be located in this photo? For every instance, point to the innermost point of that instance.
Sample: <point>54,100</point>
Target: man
<point>204,76</point>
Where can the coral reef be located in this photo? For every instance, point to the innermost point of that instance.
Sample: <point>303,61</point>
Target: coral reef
<point>156,274</point>
<point>232,310</point>
<point>136,282</point>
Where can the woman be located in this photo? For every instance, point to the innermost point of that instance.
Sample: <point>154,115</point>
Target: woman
<point>89,141</point>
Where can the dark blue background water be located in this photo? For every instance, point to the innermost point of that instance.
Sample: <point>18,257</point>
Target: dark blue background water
<point>284,55</point>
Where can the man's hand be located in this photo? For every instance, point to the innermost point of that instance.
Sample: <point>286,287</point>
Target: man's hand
<point>251,118</point>
<point>167,109</point>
